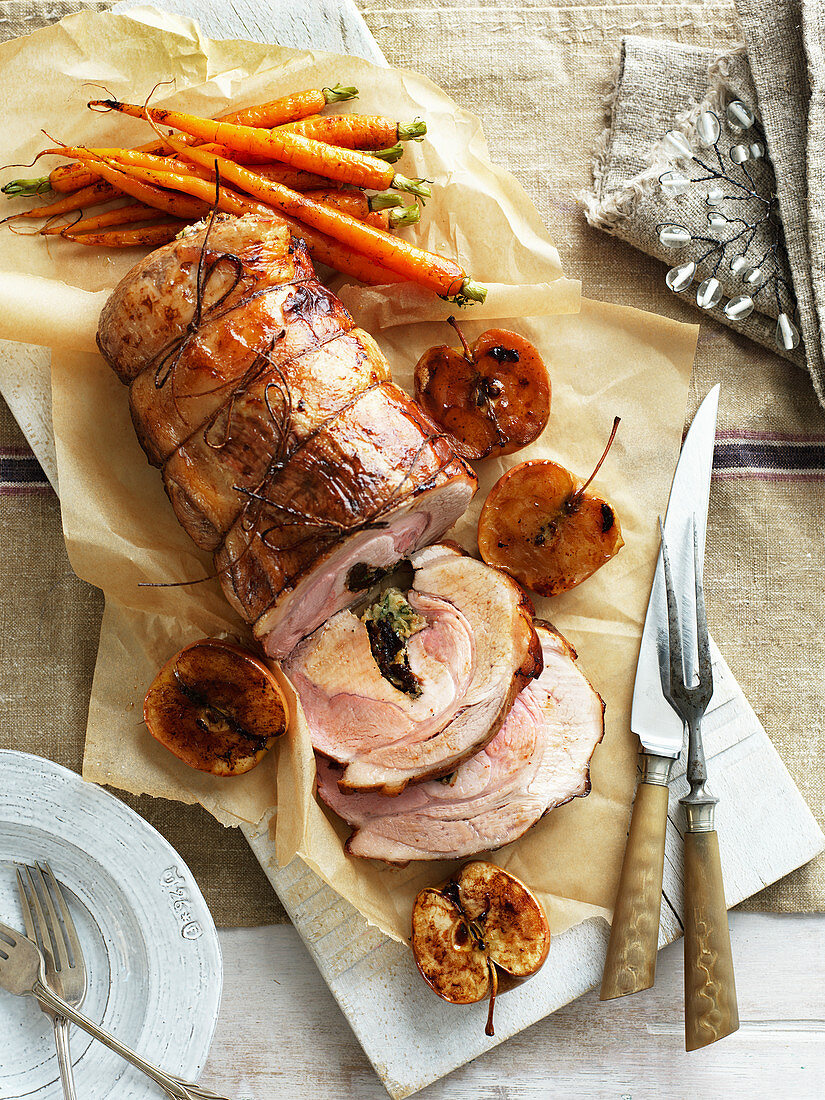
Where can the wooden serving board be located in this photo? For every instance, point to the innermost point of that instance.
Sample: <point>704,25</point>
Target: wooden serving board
<point>412,1038</point>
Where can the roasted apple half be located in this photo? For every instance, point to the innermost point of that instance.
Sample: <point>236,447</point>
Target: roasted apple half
<point>541,526</point>
<point>216,707</point>
<point>492,398</point>
<point>480,932</point>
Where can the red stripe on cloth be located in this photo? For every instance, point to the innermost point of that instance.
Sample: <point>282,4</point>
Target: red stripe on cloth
<point>36,489</point>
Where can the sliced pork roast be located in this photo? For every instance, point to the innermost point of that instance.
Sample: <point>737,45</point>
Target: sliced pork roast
<point>420,681</point>
<point>285,447</point>
<point>539,759</point>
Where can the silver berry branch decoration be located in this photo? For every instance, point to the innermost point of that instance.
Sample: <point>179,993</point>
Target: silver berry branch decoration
<point>729,237</point>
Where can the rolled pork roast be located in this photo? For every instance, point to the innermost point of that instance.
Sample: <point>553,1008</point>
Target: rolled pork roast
<point>444,723</point>
<point>285,447</point>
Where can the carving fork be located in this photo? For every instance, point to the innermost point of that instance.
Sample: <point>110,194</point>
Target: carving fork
<point>711,1010</point>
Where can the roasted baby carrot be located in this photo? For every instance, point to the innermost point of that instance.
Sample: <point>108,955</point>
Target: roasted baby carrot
<point>88,196</point>
<point>325,250</point>
<point>358,131</point>
<point>121,215</point>
<point>359,205</point>
<point>352,202</point>
<point>346,165</point>
<point>124,181</point>
<point>133,156</point>
<point>183,187</point>
<point>277,112</point>
<point>322,248</point>
<point>290,108</point>
<point>437,273</point>
<point>292,177</point>
<point>142,236</point>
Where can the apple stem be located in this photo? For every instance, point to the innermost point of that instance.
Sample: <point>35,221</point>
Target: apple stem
<point>468,355</point>
<point>489,1029</point>
<point>573,503</point>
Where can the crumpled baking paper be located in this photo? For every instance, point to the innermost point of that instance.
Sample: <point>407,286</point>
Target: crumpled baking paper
<point>120,530</point>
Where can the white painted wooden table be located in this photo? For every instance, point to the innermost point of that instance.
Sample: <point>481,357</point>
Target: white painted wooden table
<point>281,1034</point>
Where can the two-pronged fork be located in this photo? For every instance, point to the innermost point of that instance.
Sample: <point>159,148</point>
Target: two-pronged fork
<point>711,1010</point>
<point>49,923</point>
<point>23,973</point>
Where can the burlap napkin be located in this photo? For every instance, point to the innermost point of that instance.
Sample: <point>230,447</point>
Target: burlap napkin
<point>814,32</point>
<point>765,162</point>
<point>782,49</point>
<point>647,192</point>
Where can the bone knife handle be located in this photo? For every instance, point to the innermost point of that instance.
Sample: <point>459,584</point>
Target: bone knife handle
<point>634,936</point>
<point>711,1010</point>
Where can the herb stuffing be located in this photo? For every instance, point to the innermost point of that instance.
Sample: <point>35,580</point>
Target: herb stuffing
<point>390,623</point>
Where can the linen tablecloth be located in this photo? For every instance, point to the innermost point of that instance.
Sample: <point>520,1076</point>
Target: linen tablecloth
<point>536,74</point>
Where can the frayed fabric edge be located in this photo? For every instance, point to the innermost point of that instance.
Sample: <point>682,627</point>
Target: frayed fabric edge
<point>598,210</point>
<point>606,211</point>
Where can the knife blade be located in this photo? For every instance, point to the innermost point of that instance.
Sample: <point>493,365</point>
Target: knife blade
<point>630,964</point>
<point>652,718</point>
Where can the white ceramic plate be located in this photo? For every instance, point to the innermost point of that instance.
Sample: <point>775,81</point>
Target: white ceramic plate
<point>152,953</point>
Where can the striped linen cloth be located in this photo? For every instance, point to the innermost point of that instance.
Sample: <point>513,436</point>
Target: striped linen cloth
<point>766,456</point>
<point>20,472</point>
<point>739,454</point>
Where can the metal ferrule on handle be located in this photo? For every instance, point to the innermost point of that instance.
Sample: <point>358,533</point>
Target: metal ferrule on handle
<point>699,803</point>
<point>630,965</point>
<point>173,1086</point>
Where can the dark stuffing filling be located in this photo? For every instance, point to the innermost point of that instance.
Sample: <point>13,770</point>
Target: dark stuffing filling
<point>390,623</point>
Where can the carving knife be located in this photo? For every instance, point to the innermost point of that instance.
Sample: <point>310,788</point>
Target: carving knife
<point>630,965</point>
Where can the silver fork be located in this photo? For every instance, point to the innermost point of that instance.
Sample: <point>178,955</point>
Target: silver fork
<point>58,940</point>
<point>23,973</point>
<point>711,1010</point>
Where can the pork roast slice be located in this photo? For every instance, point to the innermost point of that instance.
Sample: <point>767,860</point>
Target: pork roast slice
<point>476,650</point>
<point>539,759</point>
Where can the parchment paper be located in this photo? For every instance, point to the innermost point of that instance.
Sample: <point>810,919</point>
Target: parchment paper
<point>120,529</point>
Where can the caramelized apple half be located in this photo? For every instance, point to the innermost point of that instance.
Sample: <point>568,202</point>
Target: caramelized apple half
<point>480,932</point>
<point>541,525</point>
<point>216,707</point>
<point>492,398</point>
